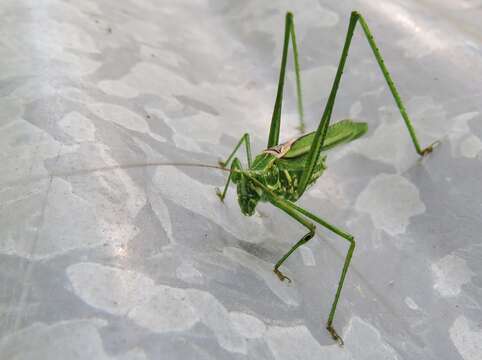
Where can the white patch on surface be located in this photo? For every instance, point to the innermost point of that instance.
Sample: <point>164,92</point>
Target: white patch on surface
<point>463,142</point>
<point>471,147</point>
<point>185,143</point>
<point>390,200</point>
<point>355,110</point>
<point>132,294</point>
<point>411,304</point>
<point>316,82</point>
<point>391,144</point>
<point>73,339</point>
<point>190,130</point>
<point>55,40</point>
<point>74,94</point>
<point>466,338</point>
<point>110,289</point>
<point>69,222</point>
<point>365,342</point>
<point>78,127</point>
<point>307,256</point>
<point>89,6</point>
<point>129,293</point>
<point>201,199</point>
<point>313,13</point>
<point>247,325</point>
<point>428,117</point>
<point>79,211</point>
<point>31,90</point>
<point>162,308</point>
<point>11,109</point>
<point>188,273</point>
<point>152,79</point>
<point>116,198</point>
<point>120,198</point>
<point>450,273</point>
<point>44,39</point>
<point>78,65</point>
<point>330,190</point>
<point>264,270</point>
<point>215,316</point>
<point>422,39</point>
<point>199,128</point>
<point>144,32</point>
<point>23,149</point>
<point>153,194</point>
<point>118,88</point>
<point>387,144</point>
<point>19,215</point>
<point>297,343</point>
<point>163,55</point>
<point>161,211</point>
<point>362,342</point>
<point>120,115</point>
<point>416,49</point>
<point>69,36</point>
<point>307,15</point>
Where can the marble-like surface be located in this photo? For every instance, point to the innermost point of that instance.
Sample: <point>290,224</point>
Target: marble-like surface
<point>144,262</point>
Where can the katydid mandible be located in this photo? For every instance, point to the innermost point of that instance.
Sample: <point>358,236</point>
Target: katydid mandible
<point>281,173</point>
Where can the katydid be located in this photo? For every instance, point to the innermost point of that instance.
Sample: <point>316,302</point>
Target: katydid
<point>282,173</point>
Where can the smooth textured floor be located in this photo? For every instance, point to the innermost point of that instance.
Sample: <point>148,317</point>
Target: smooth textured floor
<point>143,262</point>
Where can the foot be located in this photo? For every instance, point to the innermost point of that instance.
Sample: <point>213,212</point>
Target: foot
<point>281,276</point>
<point>222,164</point>
<point>219,194</point>
<point>430,148</point>
<point>335,335</point>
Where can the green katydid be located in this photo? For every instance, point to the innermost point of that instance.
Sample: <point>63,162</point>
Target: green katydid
<point>281,173</point>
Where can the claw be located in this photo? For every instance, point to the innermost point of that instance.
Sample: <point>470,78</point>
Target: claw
<point>335,335</point>
<point>219,194</point>
<point>430,148</point>
<point>281,276</point>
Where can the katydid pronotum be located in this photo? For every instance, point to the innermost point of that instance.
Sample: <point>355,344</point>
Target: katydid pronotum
<point>281,173</point>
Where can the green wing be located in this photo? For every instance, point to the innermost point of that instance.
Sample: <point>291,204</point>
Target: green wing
<point>342,132</point>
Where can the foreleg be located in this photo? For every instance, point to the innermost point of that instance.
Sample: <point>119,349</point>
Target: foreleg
<point>235,166</point>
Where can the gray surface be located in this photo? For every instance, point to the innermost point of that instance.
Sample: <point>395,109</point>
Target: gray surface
<point>146,263</point>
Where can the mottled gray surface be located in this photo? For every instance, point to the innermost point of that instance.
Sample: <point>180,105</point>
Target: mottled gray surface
<point>146,263</point>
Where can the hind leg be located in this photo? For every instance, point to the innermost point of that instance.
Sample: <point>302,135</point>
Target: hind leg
<point>274,130</point>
